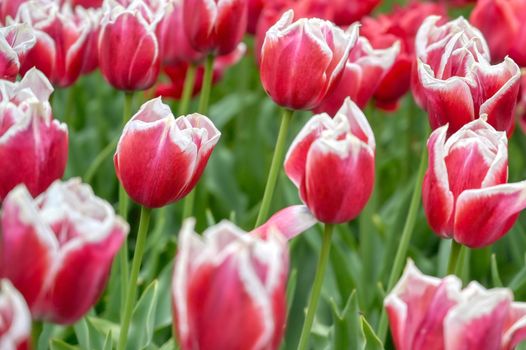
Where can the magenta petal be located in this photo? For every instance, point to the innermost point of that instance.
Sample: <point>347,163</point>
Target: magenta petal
<point>515,326</point>
<point>289,222</point>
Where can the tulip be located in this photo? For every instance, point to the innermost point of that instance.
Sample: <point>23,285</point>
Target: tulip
<point>61,41</point>
<point>290,222</point>
<point>159,159</point>
<point>63,243</point>
<point>426,312</point>
<point>254,9</point>
<point>33,146</point>
<point>174,44</point>
<point>302,61</point>
<point>129,55</point>
<point>521,103</point>
<point>501,22</point>
<point>15,319</point>
<point>15,41</point>
<point>177,74</point>
<point>90,60</point>
<point>87,4</point>
<point>346,12</point>
<point>331,161</point>
<point>215,26</point>
<point>465,194</point>
<point>399,25</point>
<point>461,85</point>
<point>9,8</point>
<point>363,73</point>
<point>228,289</point>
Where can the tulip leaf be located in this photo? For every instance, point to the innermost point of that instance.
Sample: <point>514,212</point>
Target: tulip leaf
<point>169,345</point>
<point>82,333</point>
<point>495,276</point>
<point>372,342</point>
<point>57,344</point>
<point>143,319</point>
<point>346,324</point>
<point>291,288</point>
<point>104,326</point>
<point>45,335</point>
<point>163,313</point>
<point>108,343</point>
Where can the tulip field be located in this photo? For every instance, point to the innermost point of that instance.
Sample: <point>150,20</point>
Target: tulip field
<point>262,174</point>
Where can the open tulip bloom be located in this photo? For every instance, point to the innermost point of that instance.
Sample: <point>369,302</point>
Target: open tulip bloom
<point>15,41</point>
<point>426,312</point>
<point>15,319</point>
<point>465,194</point>
<point>456,83</point>
<point>57,249</point>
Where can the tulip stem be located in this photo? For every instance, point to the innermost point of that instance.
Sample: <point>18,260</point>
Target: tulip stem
<point>453,257</point>
<point>316,287</point>
<point>36,330</point>
<point>132,283</point>
<point>407,233</point>
<point>189,83</point>
<point>277,161</point>
<point>204,99</point>
<point>99,159</point>
<point>123,204</point>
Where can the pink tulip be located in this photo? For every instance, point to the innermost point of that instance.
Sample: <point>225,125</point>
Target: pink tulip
<point>33,146</point>
<point>93,16</point>
<point>9,8</point>
<point>429,313</point>
<point>302,61</point>
<point>15,319</point>
<point>331,161</point>
<point>215,26</point>
<point>290,222</point>
<point>502,23</point>
<point>458,84</point>
<point>362,75</point>
<point>15,41</point>
<point>465,193</point>
<point>63,243</point>
<point>129,56</point>
<point>61,41</point>
<point>159,159</point>
<point>228,289</point>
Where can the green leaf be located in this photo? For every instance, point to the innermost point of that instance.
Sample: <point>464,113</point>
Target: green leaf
<point>495,276</point>
<point>57,344</point>
<point>45,336</point>
<point>372,342</point>
<point>291,288</point>
<point>82,333</point>
<point>108,343</point>
<point>143,319</point>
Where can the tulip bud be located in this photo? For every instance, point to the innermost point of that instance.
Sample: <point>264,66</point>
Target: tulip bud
<point>15,41</point>
<point>426,312</point>
<point>61,41</point>
<point>215,26</point>
<point>159,159</point>
<point>33,146</point>
<point>458,84</point>
<point>465,194</point>
<point>63,243</point>
<point>228,289</point>
<point>15,319</point>
<point>331,161</point>
<point>501,22</point>
<point>302,61</point>
<point>362,74</point>
<point>128,49</point>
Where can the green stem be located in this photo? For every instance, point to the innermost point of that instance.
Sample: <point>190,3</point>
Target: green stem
<point>70,106</point>
<point>277,160</point>
<point>453,257</point>
<point>132,283</point>
<point>403,246</point>
<point>316,288</point>
<point>204,99</point>
<point>189,83</point>
<point>36,330</point>
<point>99,159</point>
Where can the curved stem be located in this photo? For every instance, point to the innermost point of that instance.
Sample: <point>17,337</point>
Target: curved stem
<point>316,287</point>
<point>407,233</point>
<point>189,83</point>
<point>131,293</point>
<point>277,161</point>
<point>204,99</point>
<point>453,257</point>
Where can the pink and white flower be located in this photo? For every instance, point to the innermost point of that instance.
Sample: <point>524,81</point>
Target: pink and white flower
<point>15,319</point>
<point>15,41</point>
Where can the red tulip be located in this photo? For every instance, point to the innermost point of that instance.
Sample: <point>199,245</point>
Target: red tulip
<point>90,60</point>
<point>502,23</point>
<point>61,41</point>
<point>521,103</point>
<point>461,85</point>
<point>363,73</point>
<point>399,25</point>
<point>9,8</point>
<point>87,4</point>
<point>128,49</point>
<point>331,161</point>
<point>15,319</point>
<point>229,289</point>
<point>255,7</point>
<point>429,313</point>
<point>465,193</point>
<point>33,146</point>
<point>63,243</point>
<point>302,61</point>
<point>174,44</point>
<point>15,41</point>
<point>215,26</point>
<point>177,74</point>
<point>159,159</point>
<point>346,12</point>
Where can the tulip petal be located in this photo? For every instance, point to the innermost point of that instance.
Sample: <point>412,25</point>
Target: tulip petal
<point>290,222</point>
<point>515,326</point>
